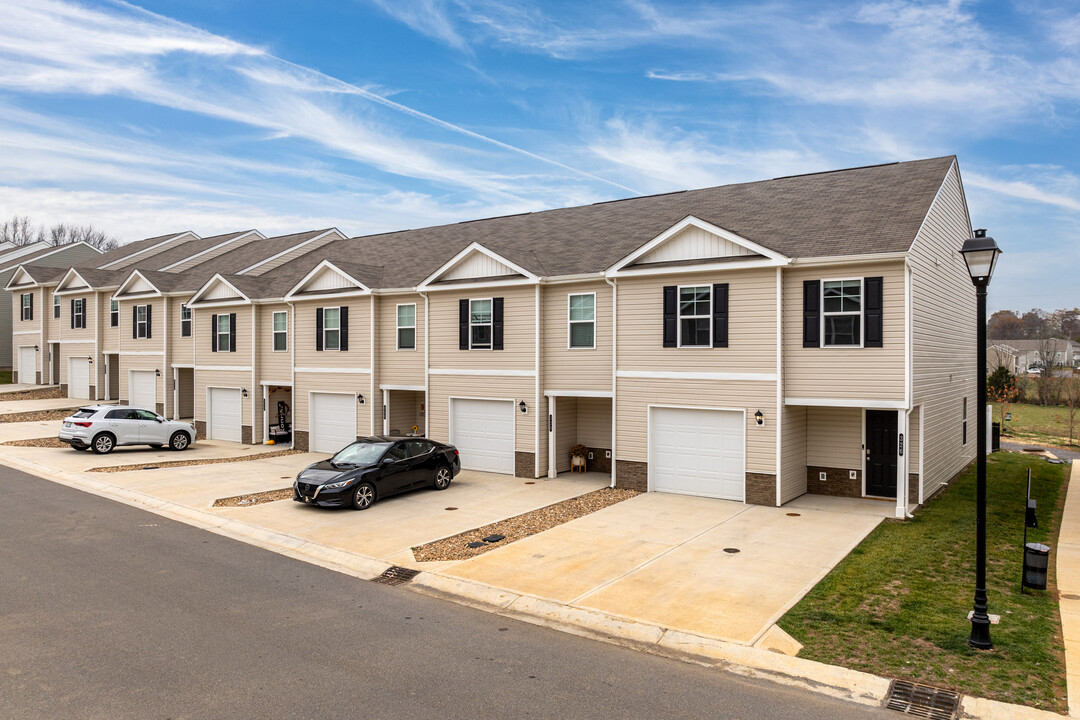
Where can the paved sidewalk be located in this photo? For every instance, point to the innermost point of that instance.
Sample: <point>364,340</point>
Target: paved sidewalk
<point>1068,579</point>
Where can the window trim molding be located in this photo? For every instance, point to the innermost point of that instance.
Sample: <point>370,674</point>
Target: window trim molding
<point>228,333</point>
<point>274,332</point>
<point>190,320</point>
<point>80,316</point>
<point>56,306</point>
<point>489,324</point>
<point>114,314</point>
<point>25,305</point>
<point>398,327</point>
<point>708,317</point>
<point>338,328</point>
<point>142,322</point>
<point>570,323</point>
<point>860,314</point>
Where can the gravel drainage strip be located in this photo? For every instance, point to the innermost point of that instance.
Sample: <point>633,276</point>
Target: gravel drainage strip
<point>251,499</point>
<point>37,415</point>
<point>49,442</point>
<point>187,463</point>
<point>50,393</point>
<point>471,543</point>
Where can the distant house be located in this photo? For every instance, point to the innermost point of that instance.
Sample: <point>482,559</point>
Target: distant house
<point>1027,355</point>
<point>1001,354</point>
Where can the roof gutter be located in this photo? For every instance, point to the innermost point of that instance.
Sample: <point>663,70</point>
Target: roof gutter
<point>849,259</point>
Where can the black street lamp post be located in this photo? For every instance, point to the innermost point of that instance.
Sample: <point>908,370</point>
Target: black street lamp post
<point>980,253</point>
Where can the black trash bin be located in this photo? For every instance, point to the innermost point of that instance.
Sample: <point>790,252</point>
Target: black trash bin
<point>995,437</point>
<point>1036,563</point>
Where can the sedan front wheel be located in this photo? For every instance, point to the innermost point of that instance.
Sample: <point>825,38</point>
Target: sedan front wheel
<point>363,496</point>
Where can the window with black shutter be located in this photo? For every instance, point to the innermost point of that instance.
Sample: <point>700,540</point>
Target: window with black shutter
<point>873,313</point>
<point>720,315</point>
<point>811,326</point>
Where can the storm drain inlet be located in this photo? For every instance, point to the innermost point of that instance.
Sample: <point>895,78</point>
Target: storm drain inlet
<point>922,700</point>
<point>395,575</point>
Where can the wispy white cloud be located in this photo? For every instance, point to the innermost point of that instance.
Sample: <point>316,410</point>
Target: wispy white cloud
<point>1052,187</point>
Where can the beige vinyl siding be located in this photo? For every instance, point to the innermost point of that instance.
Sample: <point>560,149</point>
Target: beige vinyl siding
<point>575,369</point>
<point>181,349</point>
<point>443,387</point>
<point>636,395</point>
<point>566,431</point>
<point>834,437</point>
<point>519,330</point>
<point>52,326</point>
<point>70,350</point>
<point>580,420</point>
<point>26,326</point>
<point>359,353</point>
<point>944,336</point>
<point>542,437</point>
<point>845,373</point>
<point>793,448</point>
<point>405,411</point>
<point>751,324</point>
<point>275,365</point>
<point>156,341</point>
<point>238,379</point>
<point>110,336</point>
<point>139,362</point>
<point>204,326</point>
<point>913,443</point>
<point>353,383</point>
<point>399,367</point>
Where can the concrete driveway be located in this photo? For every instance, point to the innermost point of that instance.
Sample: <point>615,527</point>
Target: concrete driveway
<point>666,560</point>
<point>9,407</point>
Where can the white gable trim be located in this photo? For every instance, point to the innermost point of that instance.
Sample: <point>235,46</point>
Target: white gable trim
<point>21,279</point>
<point>294,248</point>
<point>199,296</point>
<point>220,245</point>
<point>168,241</point>
<point>621,266</point>
<point>64,286</point>
<point>476,247</point>
<point>128,286</point>
<point>325,266</point>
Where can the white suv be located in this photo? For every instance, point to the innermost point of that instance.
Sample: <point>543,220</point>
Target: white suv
<point>103,427</point>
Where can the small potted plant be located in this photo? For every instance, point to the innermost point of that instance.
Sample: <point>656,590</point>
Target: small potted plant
<point>578,454</point>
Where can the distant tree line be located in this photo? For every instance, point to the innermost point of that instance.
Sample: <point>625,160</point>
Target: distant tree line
<point>1035,324</point>
<point>21,231</point>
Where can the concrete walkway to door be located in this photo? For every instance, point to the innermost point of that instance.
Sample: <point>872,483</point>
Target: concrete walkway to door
<point>667,560</point>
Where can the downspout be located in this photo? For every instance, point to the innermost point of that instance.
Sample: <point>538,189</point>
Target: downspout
<point>536,384</point>
<point>909,386</point>
<point>256,397</point>
<point>371,365</point>
<point>292,368</point>
<point>614,369</point>
<point>779,385</point>
<point>427,387</point>
<point>165,374</point>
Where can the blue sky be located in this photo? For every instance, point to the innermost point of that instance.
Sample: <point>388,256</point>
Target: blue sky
<point>373,115</point>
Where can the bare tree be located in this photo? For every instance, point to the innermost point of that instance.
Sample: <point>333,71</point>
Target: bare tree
<point>20,231</point>
<point>1070,391</point>
<point>1048,382</point>
<point>61,234</point>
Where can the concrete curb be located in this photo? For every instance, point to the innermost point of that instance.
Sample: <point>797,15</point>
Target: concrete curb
<point>833,681</point>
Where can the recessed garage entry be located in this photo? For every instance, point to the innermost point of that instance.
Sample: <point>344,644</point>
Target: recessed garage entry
<point>79,378</point>
<point>697,452</point>
<point>333,421</point>
<point>142,389</point>
<point>225,414</point>
<point>483,432</point>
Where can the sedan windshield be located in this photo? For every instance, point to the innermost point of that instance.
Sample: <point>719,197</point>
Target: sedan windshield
<point>360,454</point>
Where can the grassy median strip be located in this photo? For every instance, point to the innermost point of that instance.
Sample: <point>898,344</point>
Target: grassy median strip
<point>186,463</point>
<point>897,605</point>
<point>457,547</point>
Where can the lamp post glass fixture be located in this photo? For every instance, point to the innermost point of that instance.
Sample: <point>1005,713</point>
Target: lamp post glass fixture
<point>980,253</point>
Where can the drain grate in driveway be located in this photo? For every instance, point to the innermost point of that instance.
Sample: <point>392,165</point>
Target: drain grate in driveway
<point>395,575</point>
<point>922,700</point>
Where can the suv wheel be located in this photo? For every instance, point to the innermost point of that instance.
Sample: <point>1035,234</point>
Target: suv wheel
<point>179,440</point>
<point>103,443</point>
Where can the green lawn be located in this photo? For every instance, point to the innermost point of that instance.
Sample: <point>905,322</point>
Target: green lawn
<point>1044,424</point>
<point>897,606</point>
<point>5,377</point>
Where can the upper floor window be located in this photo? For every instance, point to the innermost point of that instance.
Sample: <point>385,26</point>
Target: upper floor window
<point>480,323</point>
<point>114,313</point>
<point>841,306</point>
<point>406,327</point>
<point>78,313</point>
<point>55,306</point>
<point>331,328</point>
<point>223,333</point>
<point>142,321</point>
<point>582,319</point>
<point>281,331</point>
<point>695,316</point>
<point>224,330</point>
<point>185,321</point>
<point>27,306</point>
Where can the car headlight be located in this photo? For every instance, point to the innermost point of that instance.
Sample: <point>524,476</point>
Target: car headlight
<point>338,485</point>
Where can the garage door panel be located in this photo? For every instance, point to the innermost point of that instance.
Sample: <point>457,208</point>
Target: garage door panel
<point>142,391</point>
<point>697,452</point>
<point>27,365</point>
<point>333,421</point>
<point>483,432</point>
<point>79,378</point>
<point>225,414</point>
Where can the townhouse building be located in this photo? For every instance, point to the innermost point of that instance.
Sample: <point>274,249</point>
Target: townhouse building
<point>752,342</point>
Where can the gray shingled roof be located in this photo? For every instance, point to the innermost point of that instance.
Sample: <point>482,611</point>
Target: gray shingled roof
<point>133,247</point>
<point>177,253</point>
<point>255,251</point>
<point>31,257</point>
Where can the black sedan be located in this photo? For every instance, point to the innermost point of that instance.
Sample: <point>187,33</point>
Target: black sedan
<point>374,468</point>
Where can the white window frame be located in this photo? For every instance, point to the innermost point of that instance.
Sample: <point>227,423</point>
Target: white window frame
<point>114,313</point>
<point>326,345</point>
<point>185,322</point>
<point>571,323</point>
<point>400,327</point>
<point>24,305</point>
<point>80,313</point>
<point>679,315</point>
<point>140,325</point>
<point>225,346</point>
<point>859,313</point>
<point>490,323</point>
<point>274,332</point>
<point>55,306</point>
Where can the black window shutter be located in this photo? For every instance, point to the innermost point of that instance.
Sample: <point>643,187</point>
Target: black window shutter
<point>85,312</point>
<point>213,333</point>
<point>496,323</point>
<point>463,324</point>
<point>671,316</point>
<point>720,315</point>
<point>343,324</point>
<point>318,328</point>
<point>873,312</point>
<point>134,320</point>
<point>232,332</point>
<point>811,313</point>
<point>31,307</point>
<point>72,314</point>
<point>148,322</point>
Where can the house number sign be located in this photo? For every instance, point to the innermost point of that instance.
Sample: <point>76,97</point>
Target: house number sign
<point>901,447</point>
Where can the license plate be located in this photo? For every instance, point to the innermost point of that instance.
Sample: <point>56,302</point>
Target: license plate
<point>67,424</point>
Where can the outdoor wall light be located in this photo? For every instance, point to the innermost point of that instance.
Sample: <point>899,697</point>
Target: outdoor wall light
<point>244,392</point>
<point>89,359</point>
<point>157,373</point>
<point>759,417</point>
<point>36,348</point>
<point>523,407</point>
<point>360,398</point>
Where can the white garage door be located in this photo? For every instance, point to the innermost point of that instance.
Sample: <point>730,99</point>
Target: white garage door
<point>79,378</point>
<point>697,452</point>
<point>142,392</point>
<point>483,431</point>
<point>225,414</point>
<point>333,421</point>
<point>27,362</point>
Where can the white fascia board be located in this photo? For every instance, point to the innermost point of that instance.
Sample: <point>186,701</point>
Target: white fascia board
<point>480,284</point>
<point>849,259</point>
<point>686,222</point>
<point>264,261</point>
<point>155,246</point>
<point>471,248</point>
<point>326,264</point>
<point>704,267</point>
<point>210,283</point>
<point>118,295</point>
<point>564,279</point>
<point>222,244</point>
<point>866,403</point>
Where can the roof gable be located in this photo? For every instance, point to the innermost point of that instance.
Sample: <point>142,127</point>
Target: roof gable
<point>72,281</point>
<point>477,263</point>
<point>21,278</point>
<point>326,278</point>
<point>218,291</point>
<point>136,284</point>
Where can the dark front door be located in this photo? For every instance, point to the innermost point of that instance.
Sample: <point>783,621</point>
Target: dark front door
<point>881,453</point>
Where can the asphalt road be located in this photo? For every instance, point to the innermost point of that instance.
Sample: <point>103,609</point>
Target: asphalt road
<point>108,611</point>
